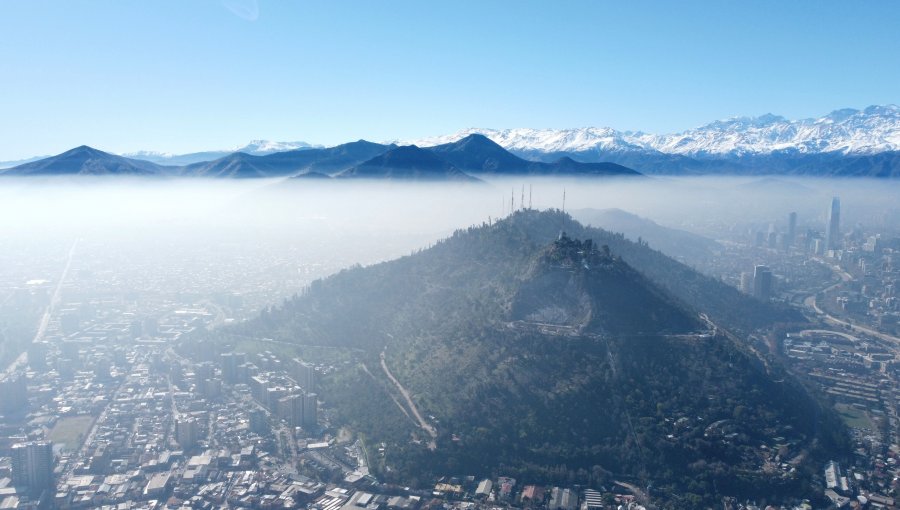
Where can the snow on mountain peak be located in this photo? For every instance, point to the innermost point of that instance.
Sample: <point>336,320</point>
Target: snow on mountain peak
<point>147,154</point>
<point>543,140</point>
<point>848,131</point>
<point>736,123</point>
<point>260,147</point>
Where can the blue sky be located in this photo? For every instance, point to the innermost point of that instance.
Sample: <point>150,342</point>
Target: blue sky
<point>184,75</point>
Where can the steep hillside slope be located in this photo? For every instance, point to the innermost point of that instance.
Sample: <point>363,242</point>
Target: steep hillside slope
<point>552,359</point>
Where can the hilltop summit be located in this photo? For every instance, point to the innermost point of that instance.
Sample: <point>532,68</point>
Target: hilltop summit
<point>84,160</point>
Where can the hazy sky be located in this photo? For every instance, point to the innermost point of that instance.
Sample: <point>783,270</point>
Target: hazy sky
<point>181,75</point>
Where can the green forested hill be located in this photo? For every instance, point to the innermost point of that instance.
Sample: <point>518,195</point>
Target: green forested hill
<point>558,358</point>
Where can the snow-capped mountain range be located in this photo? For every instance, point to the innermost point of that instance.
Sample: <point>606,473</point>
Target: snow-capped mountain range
<point>845,142</point>
<point>873,130</point>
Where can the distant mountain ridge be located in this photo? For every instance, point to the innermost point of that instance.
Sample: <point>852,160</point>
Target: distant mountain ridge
<point>326,161</point>
<point>408,163</point>
<point>84,160</point>
<point>361,159</point>
<point>479,154</point>
<point>17,162</point>
<point>844,143</point>
<point>686,247</point>
<point>254,148</point>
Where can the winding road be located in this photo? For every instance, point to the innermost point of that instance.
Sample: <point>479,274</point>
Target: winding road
<point>427,427</point>
<point>810,302</point>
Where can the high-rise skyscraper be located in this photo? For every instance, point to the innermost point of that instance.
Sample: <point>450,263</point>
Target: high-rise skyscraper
<point>304,374</point>
<point>762,282</point>
<point>310,411</point>
<point>32,466</point>
<point>792,229</point>
<point>258,422</point>
<point>772,238</point>
<point>290,408</point>
<point>833,226</point>
<point>747,282</point>
<point>187,432</point>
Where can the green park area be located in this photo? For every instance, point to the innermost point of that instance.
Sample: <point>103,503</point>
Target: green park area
<point>70,431</point>
<point>853,417</point>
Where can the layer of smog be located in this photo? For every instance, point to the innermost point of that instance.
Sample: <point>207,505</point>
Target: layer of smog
<point>270,277</point>
<point>269,238</point>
